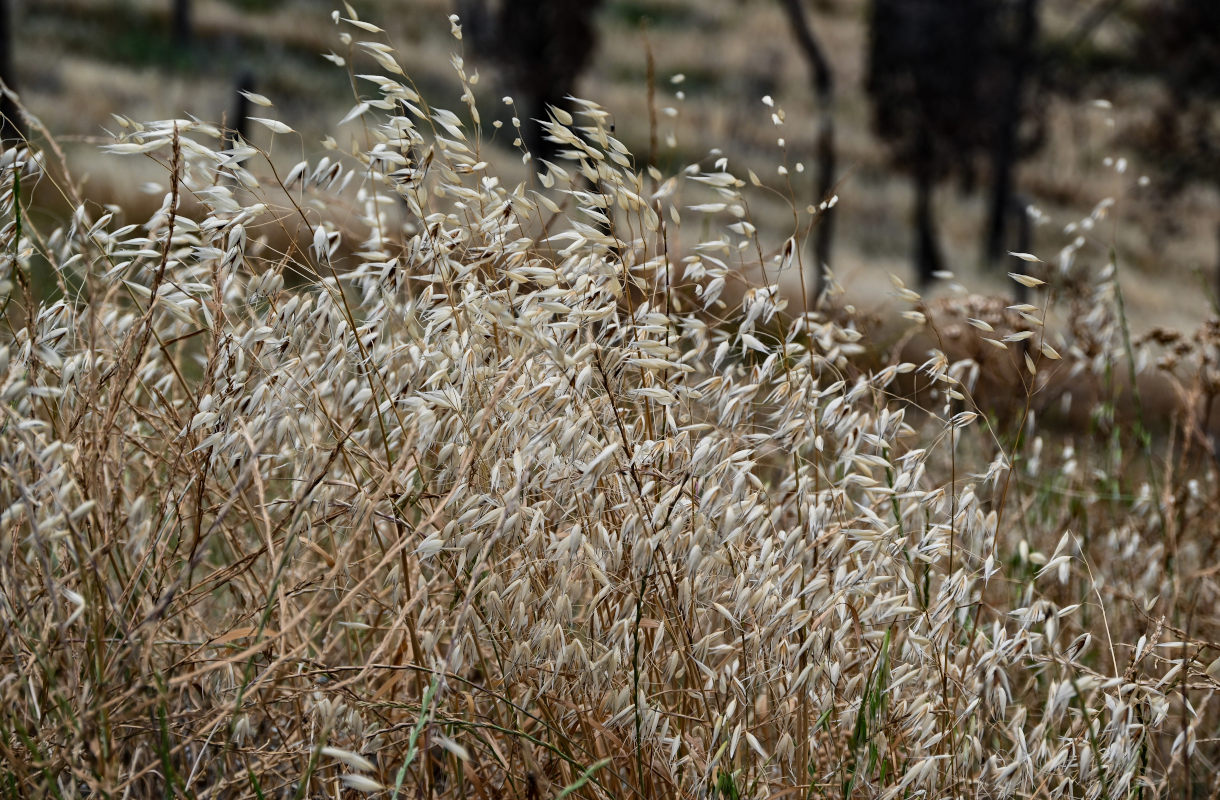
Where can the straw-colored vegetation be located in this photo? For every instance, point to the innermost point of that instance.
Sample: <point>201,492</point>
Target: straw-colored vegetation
<point>81,60</point>
<point>470,489</point>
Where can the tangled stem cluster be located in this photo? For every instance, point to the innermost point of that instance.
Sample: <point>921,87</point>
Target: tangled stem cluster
<point>379,474</point>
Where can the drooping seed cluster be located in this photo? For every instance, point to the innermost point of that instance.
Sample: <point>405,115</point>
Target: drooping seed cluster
<point>387,473</point>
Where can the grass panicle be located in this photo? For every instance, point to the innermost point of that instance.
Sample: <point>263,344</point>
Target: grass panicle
<point>380,473</point>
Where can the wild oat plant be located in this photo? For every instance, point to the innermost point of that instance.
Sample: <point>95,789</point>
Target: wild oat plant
<point>376,474</point>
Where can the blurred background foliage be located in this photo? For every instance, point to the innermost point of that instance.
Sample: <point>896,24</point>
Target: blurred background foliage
<point>952,131</point>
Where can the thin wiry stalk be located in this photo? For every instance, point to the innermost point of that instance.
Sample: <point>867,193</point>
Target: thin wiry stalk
<point>383,472</point>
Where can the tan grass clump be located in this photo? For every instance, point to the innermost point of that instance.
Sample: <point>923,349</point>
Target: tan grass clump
<point>486,493</point>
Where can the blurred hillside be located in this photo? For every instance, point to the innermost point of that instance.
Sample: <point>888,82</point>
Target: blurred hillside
<point>79,61</point>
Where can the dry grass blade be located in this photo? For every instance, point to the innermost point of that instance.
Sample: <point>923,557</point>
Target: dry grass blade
<point>483,490</point>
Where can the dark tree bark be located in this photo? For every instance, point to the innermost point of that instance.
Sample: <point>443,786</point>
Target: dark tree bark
<point>1182,37</point>
<point>928,259</point>
<point>1004,151</point>
<point>928,88</point>
<point>824,179</point>
<point>238,122</point>
<point>948,80</point>
<point>180,31</point>
<point>1018,207</point>
<point>1218,265</point>
<point>545,45</point>
<point>11,127</point>
<point>478,29</point>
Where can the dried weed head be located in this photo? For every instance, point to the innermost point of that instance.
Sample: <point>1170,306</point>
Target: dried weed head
<point>477,488</point>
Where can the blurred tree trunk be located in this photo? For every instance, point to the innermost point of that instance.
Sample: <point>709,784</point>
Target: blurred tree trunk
<point>1018,207</point>
<point>1004,152</point>
<point>237,124</point>
<point>928,259</point>
<point>181,23</point>
<point>545,45</point>
<point>1182,38</point>
<point>11,127</point>
<point>478,29</point>
<point>930,82</point>
<point>824,179</point>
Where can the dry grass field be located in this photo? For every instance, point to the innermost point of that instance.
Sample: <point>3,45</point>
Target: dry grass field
<point>730,53</point>
<point>363,459</point>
